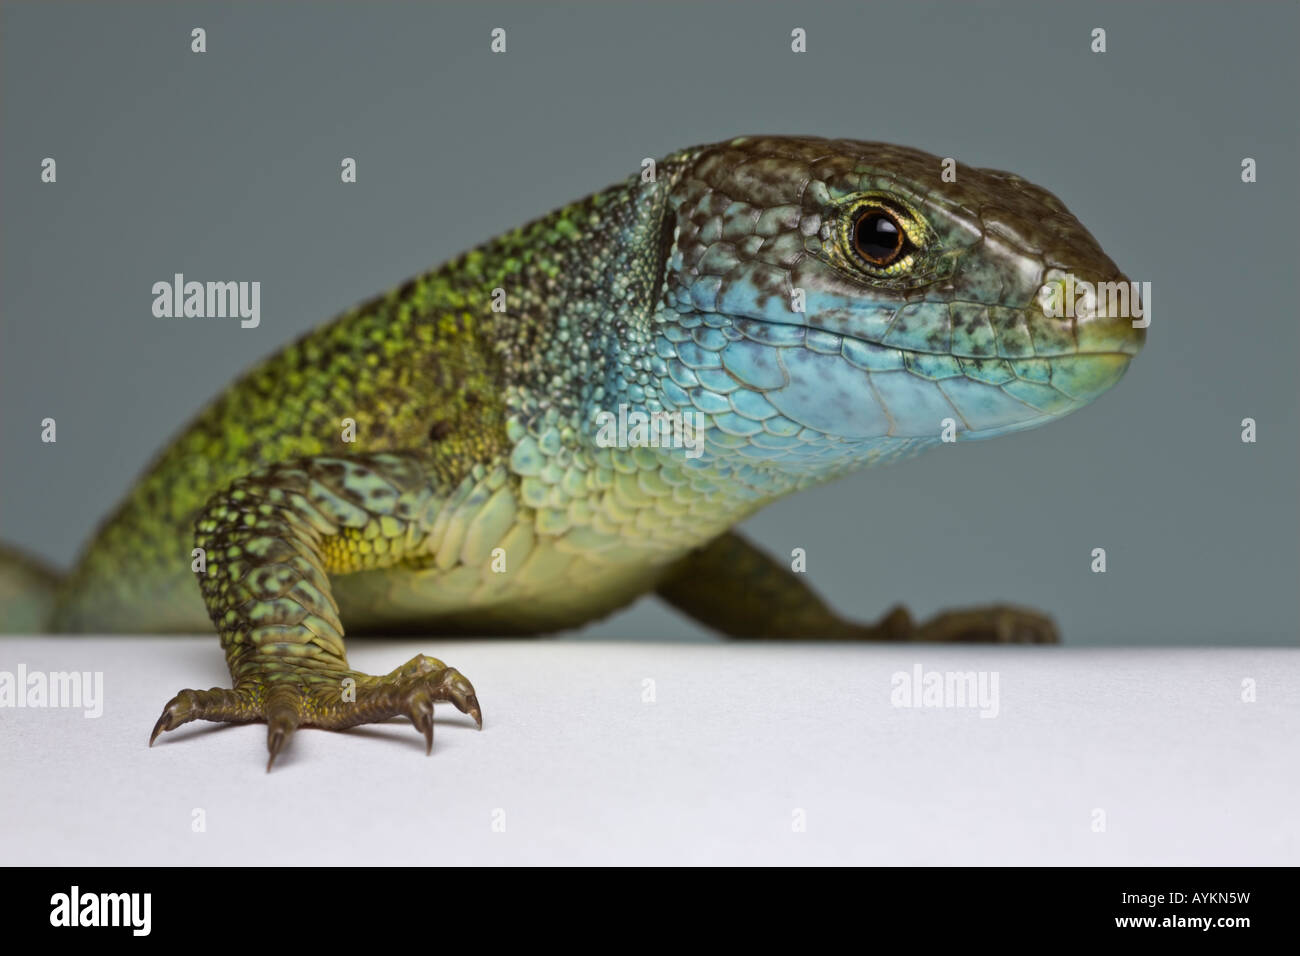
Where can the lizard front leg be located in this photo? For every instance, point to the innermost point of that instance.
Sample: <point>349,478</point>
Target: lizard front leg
<point>271,541</point>
<point>733,587</point>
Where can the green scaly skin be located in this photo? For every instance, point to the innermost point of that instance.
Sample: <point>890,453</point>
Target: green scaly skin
<point>478,497</point>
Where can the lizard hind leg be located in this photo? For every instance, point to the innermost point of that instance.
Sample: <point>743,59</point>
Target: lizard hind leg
<point>272,539</point>
<point>732,586</point>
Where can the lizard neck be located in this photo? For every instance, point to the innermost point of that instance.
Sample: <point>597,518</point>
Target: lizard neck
<point>611,382</point>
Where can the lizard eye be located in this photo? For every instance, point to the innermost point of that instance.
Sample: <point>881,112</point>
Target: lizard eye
<point>879,238</point>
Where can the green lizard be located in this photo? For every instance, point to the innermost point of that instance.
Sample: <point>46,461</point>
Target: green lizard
<point>785,310</point>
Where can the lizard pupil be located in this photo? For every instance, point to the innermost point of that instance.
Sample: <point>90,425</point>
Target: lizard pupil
<point>877,237</point>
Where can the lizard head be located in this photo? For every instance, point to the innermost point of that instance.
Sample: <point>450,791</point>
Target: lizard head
<point>829,299</point>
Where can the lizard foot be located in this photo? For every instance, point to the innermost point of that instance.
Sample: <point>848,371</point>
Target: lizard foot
<point>286,696</point>
<point>996,624</point>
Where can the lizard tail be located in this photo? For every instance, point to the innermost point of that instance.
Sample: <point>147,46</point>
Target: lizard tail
<point>27,588</point>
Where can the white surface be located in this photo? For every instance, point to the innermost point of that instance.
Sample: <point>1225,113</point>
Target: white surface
<point>739,737</point>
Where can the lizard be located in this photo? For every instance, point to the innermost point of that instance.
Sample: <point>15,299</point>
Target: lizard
<point>786,310</point>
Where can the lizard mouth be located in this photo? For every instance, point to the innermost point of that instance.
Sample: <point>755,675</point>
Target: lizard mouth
<point>852,388</point>
<point>820,338</point>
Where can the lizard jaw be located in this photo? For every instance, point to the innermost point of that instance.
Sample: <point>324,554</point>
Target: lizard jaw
<point>752,373</point>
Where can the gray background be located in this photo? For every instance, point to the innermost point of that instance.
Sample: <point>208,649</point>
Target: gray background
<point>226,166</point>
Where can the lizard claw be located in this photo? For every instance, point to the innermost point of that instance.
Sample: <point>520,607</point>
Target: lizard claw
<point>275,740</point>
<point>163,723</point>
<point>282,719</point>
<point>419,707</point>
<point>443,683</point>
<point>214,704</point>
<point>461,693</point>
<point>169,719</point>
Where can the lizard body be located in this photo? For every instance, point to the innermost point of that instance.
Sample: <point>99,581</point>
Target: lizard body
<point>814,306</point>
